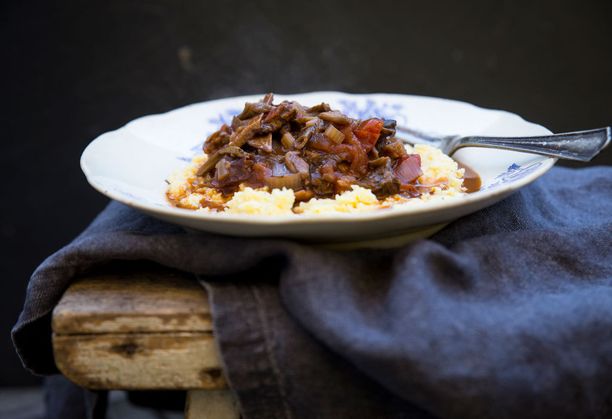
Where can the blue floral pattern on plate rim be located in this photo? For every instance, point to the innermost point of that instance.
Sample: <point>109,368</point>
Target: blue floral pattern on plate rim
<point>370,108</point>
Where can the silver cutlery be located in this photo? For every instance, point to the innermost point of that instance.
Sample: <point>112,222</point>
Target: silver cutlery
<point>579,145</point>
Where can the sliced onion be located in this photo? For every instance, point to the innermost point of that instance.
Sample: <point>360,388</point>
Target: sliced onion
<point>334,134</point>
<point>279,169</point>
<point>290,181</point>
<point>408,169</point>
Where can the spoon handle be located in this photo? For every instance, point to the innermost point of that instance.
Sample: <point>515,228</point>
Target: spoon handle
<point>579,145</point>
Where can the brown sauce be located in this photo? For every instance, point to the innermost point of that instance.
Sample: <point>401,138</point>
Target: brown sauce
<point>471,179</point>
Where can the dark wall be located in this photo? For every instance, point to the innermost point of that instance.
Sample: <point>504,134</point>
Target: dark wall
<point>71,71</point>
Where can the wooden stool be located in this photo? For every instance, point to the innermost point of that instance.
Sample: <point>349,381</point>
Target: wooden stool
<point>142,331</point>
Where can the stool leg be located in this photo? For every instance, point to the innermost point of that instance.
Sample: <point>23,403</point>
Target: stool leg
<point>211,404</point>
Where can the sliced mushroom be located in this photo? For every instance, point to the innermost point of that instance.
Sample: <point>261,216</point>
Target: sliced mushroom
<point>388,129</point>
<point>295,163</point>
<point>233,151</point>
<point>213,159</point>
<point>252,109</point>
<point>335,117</point>
<point>245,133</point>
<point>278,117</point>
<point>222,169</point>
<point>210,162</point>
<point>268,98</point>
<point>217,139</point>
<point>393,148</point>
<point>262,142</point>
<point>321,107</point>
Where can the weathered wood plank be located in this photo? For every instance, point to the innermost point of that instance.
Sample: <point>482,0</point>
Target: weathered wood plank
<point>216,404</point>
<point>182,360</point>
<point>137,330</point>
<point>155,301</point>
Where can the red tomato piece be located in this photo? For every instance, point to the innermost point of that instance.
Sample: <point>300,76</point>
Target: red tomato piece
<point>368,132</point>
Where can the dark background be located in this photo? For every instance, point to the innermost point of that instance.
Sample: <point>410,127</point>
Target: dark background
<point>71,71</point>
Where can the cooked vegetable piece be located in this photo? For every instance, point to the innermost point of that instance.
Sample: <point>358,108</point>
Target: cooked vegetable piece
<point>290,181</point>
<point>245,132</point>
<point>334,134</point>
<point>295,163</point>
<point>408,168</point>
<point>223,169</point>
<point>217,140</point>
<point>287,140</point>
<point>252,109</point>
<point>368,132</point>
<point>392,147</point>
<point>263,142</point>
<point>213,159</point>
<point>316,151</point>
<point>335,117</point>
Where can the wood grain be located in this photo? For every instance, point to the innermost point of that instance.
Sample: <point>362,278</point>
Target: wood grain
<point>164,301</point>
<point>144,330</point>
<point>140,360</point>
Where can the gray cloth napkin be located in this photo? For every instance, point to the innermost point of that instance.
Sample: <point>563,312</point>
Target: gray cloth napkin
<point>505,313</point>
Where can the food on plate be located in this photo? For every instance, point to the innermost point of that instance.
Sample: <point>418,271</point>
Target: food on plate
<point>276,159</point>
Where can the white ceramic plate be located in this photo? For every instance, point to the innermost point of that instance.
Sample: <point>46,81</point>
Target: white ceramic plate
<point>131,164</point>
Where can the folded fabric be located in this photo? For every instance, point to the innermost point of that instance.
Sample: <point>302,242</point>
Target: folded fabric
<point>505,313</point>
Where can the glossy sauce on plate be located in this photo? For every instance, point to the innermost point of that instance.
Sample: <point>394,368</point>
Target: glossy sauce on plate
<point>471,179</point>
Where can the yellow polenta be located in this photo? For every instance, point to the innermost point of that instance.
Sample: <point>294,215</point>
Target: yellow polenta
<point>440,172</point>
